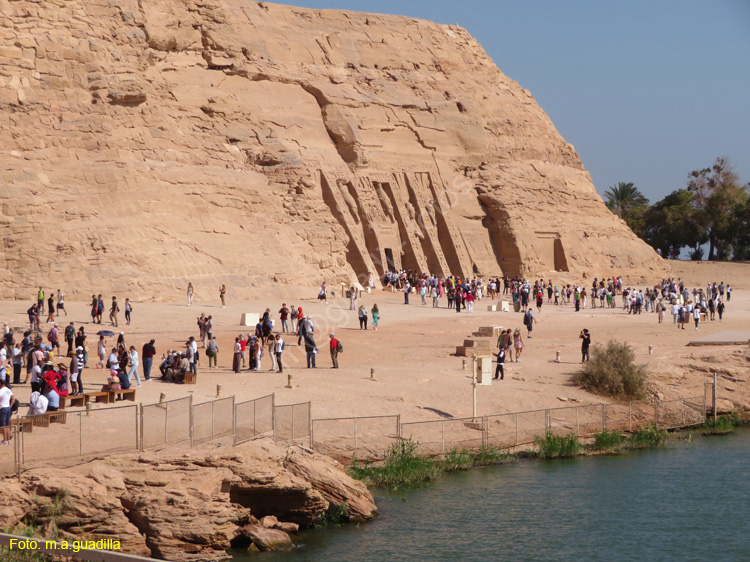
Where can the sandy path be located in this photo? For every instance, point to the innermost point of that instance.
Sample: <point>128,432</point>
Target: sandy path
<point>412,352</point>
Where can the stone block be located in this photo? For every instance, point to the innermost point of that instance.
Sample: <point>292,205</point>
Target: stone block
<point>504,306</point>
<point>249,319</point>
<point>484,370</point>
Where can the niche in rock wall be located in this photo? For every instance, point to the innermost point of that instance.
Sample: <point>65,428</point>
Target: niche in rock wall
<point>389,259</point>
<point>561,262</point>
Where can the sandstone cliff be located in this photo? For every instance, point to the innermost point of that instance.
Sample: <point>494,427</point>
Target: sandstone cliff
<point>191,507</point>
<point>145,144</point>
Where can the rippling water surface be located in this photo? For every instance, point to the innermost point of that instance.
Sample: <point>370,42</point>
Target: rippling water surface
<point>685,502</point>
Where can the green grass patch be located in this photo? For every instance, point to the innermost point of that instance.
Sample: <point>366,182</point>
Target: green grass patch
<point>608,441</point>
<point>647,438</point>
<point>403,466</point>
<point>553,446</point>
<point>722,424</point>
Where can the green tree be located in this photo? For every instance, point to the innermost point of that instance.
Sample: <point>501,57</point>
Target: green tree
<point>719,199</point>
<point>624,197</point>
<point>674,222</point>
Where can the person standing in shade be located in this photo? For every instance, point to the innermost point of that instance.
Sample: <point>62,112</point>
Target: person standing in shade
<point>500,371</point>
<point>190,294</point>
<point>334,346</point>
<point>585,344</point>
<point>223,295</point>
<point>147,353</point>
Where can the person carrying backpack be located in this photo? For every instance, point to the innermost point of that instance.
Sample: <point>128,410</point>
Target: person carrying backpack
<point>336,348</point>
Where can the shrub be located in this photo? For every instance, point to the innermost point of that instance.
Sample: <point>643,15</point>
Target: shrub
<point>553,446</point>
<point>457,460</point>
<point>647,438</point>
<point>612,371</point>
<point>607,441</point>
<point>722,424</point>
<point>402,466</point>
<point>488,456</point>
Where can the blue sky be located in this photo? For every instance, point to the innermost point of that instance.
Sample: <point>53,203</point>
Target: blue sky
<point>646,90</point>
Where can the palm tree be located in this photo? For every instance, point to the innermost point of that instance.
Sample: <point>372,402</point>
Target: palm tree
<point>623,197</point>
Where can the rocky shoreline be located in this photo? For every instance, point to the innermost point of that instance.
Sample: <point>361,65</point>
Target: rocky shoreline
<point>188,508</point>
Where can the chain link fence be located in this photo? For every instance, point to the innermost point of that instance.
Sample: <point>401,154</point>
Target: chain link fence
<point>213,420</point>
<point>439,436</point>
<point>292,423</point>
<point>253,418</point>
<point>165,423</point>
<point>347,438</point>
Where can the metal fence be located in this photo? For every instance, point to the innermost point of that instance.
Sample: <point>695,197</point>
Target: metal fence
<point>349,437</point>
<point>253,418</point>
<point>165,423</point>
<point>212,420</point>
<point>14,548</point>
<point>292,423</point>
<point>439,436</point>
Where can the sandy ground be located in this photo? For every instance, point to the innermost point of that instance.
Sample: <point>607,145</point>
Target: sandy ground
<point>412,353</point>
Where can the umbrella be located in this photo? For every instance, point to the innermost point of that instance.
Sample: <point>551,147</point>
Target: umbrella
<point>105,333</point>
<point>462,286</point>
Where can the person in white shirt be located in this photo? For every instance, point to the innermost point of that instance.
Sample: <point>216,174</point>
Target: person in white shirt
<point>37,404</point>
<point>279,350</point>
<point>134,364</point>
<point>6,402</point>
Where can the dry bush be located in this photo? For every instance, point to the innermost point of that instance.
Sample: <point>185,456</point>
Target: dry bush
<point>613,372</point>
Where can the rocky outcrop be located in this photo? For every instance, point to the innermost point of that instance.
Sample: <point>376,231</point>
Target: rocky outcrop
<point>190,507</point>
<point>145,144</point>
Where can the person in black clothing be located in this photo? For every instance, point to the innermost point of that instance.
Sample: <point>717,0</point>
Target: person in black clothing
<point>499,371</point>
<point>586,337</point>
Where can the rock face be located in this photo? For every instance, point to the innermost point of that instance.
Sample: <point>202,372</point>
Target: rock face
<point>145,144</point>
<point>189,508</point>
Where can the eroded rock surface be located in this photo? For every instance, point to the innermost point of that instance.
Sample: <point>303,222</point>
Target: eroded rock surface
<point>189,508</point>
<point>145,144</point>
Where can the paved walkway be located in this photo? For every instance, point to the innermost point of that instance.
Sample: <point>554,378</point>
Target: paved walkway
<point>728,337</point>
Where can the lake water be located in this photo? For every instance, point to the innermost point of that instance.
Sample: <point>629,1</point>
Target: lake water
<point>685,502</point>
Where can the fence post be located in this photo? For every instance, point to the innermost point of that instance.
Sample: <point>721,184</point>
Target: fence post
<point>80,435</point>
<point>714,396</point>
<point>656,414</point>
<point>191,420</point>
<point>630,416</point>
<point>355,436</point>
<point>485,431</point>
<point>17,450</point>
<point>398,427</point>
<point>166,420</point>
<point>442,438</point>
<point>547,424</point>
<point>293,423</point>
<point>578,427</point>
<point>140,445</point>
<point>212,416</point>
<point>234,420</point>
<point>516,443</point>
<point>255,417</point>
<point>312,437</point>
<point>704,400</point>
<point>137,428</point>
<point>273,414</point>
<point>604,417</point>
<point>682,405</point>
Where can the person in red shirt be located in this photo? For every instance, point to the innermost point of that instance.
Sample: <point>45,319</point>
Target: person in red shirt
<point>243,345</point>
<point>334,352</point>
<point>50,379</point>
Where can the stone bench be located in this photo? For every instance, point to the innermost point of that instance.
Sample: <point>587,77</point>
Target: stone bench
<point>124,394</point>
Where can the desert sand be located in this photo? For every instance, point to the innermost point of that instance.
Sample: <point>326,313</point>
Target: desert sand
<point>412,353</point>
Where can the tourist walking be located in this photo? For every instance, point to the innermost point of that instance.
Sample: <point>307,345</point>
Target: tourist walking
<point>499,370</point>
<point>720,309</point>
<point>518,344</point>
<point>352,298</point>
<point>279,350</point>
<point>190,294</point>
<point>113,310</point>
<point>61,303</point>
<point>529,320</point>
<point>311,350</point>
<point>375,316</point>
<point>323,293</point>
<point>134,364</point>
<point>223,295</point>
<point>362,313</point>
<point>284,317</point>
